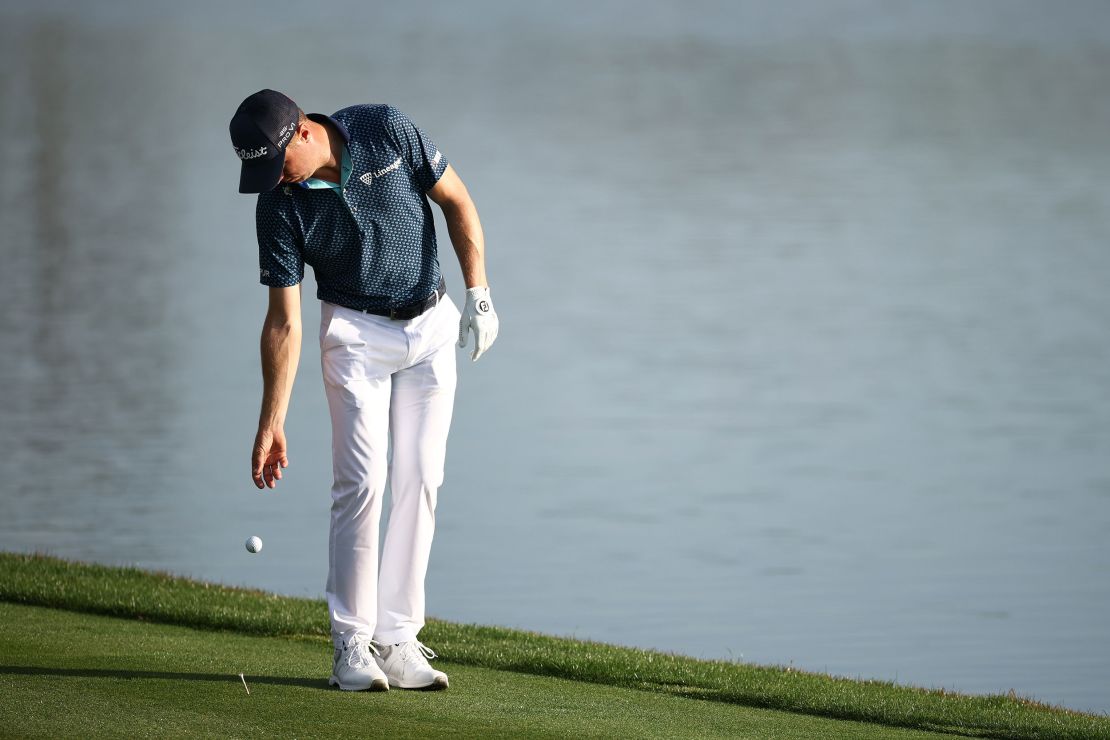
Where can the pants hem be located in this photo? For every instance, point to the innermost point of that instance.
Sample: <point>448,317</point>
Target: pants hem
<point>390,638</point>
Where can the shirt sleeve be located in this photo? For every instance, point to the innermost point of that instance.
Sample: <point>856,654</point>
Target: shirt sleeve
<point>426,160</point>
<point>280,259</point>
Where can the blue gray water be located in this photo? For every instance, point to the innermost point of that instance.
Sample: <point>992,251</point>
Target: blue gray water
<point>805,351</point>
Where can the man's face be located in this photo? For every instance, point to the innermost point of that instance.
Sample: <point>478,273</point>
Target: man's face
<point>300,163</point>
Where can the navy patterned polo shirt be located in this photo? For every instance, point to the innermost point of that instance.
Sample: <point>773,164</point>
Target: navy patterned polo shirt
<point>371,242</point>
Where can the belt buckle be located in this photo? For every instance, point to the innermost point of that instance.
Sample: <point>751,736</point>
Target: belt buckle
<point>411,312</point>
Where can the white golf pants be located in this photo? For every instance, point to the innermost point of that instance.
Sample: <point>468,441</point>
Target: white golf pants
<point>389,384</point>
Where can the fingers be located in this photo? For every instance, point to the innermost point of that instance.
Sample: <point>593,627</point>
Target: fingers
<point>484,335</point>
<point>271,472</point>
<point>256,468</point>
<point>464,325</point>
<point>482,341</point>
<point>268,457</point>
<point>266,473</point>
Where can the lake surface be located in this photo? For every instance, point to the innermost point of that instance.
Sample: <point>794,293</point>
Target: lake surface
<point>805,344</point>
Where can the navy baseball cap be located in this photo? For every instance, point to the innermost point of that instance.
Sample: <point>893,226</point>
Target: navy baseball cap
<point>261,128</point>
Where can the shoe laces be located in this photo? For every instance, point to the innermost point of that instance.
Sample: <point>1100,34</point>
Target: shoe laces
<point>359,651</point>
<point>415,651</point>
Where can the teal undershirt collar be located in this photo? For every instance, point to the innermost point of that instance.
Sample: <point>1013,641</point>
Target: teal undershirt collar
<point>314,183</point>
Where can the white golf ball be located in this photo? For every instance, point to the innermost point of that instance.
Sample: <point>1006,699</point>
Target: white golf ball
<point>254,544</point>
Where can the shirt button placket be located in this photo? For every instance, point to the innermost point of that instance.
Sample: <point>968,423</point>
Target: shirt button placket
<point>347,202</point>
<point>353,209</point>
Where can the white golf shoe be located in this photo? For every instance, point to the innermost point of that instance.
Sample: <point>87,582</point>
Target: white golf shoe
<point>355,667</point>
<point>406,665</point>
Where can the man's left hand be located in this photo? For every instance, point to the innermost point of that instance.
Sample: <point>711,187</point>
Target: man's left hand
<point>478,314</point>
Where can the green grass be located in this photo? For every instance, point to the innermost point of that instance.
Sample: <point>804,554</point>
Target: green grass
<point>659,679</point>
<point>112,677</point>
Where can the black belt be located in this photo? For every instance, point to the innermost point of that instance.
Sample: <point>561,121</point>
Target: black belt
<point>413,310</point>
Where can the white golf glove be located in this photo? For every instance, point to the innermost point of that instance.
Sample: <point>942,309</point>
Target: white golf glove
<point>478,314</point>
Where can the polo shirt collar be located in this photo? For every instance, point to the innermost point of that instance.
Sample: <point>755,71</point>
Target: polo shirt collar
<point>321,118</point>
<point>345,166</point>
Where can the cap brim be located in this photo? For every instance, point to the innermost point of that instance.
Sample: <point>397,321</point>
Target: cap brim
<point>261,175</point>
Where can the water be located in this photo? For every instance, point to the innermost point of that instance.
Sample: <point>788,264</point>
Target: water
<point>804,354</point>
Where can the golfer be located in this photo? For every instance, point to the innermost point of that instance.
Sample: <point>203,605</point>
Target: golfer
<point>348,194</point>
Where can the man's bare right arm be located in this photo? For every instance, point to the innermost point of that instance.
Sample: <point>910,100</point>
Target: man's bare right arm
<point>281,352</point>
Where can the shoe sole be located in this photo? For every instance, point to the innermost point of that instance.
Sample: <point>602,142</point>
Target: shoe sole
<point>378,684</point>
<point>437,684</point>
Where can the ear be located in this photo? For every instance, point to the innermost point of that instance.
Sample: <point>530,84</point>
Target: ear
<point>302,134</point>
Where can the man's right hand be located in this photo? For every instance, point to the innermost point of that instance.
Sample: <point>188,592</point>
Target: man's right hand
<point>269,457</point>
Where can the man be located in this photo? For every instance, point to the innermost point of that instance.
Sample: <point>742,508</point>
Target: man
<point>348,195</point>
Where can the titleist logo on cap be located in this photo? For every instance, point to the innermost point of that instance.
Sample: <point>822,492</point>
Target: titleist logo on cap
<point>251,153</point>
